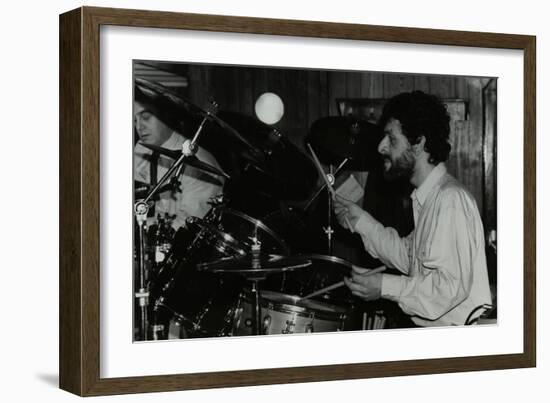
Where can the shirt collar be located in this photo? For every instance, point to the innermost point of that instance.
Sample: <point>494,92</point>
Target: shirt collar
<point>422,192</point>
<point>173,142</point>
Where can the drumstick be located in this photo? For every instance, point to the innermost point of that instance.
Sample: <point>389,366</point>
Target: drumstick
<point>323,290</point>
<point>341,283</point>
<point>330,189</point>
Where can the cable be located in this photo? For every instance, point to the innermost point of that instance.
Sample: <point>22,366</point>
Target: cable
<point>470,321</point>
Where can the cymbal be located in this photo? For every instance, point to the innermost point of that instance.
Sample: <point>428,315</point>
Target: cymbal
<point>330,263</point>
<point>335,138</point>
<point>254,154</point>
<point>177,109</point>
<point>253,264</point>
<point>192,160</point>
<point>283,172</point>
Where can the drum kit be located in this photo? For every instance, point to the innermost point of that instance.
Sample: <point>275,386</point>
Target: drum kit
<point>228,273</point>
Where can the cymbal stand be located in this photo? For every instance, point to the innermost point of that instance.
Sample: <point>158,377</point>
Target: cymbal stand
<point>324,185</point>
<point>255,287</point>
<point>142,295</point>
<point>141,210</point>
<point>190,148</point>
<point>328,180</point>
<point>328,230</point>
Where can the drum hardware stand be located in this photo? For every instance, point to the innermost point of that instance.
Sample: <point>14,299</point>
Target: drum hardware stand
<point>142,295</point>
<point>328,230</point>
<point>141,209</point>
<point>255,288</point>
<point>323,186</point>
<point>228,320</point>
<point>156,328</point>
<point>175,184</point>
<point>217,204</point>
<point>329,180</point>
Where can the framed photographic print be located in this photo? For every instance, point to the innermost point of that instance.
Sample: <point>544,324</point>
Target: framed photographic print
<point>249,201</point>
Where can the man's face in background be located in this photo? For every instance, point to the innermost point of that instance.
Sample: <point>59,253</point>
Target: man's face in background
<point>149,128</point>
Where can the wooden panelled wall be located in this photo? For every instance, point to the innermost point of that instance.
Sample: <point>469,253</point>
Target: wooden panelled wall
<point>309,95</point>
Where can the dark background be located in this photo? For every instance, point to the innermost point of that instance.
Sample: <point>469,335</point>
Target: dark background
<point>312,94</point>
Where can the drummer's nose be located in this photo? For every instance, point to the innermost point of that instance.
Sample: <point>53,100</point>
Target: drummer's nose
<point>383,147</point>
<point>138,121</point>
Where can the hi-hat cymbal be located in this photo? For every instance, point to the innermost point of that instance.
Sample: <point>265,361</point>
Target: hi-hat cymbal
<point>335,138</point>
<point>253,264</point>
<point>190,160</point>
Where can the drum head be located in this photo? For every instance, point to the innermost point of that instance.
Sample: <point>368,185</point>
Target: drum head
<point>321,306</point>
<point>293,303</point>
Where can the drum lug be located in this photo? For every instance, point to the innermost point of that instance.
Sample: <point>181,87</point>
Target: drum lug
<point>158,332</point>
<point>267,324</point>
<point>290,325</point>
<point>237,316</point>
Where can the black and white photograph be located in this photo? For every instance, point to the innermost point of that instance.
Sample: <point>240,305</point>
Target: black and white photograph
<point>276,201</point>
<point>242,201</point>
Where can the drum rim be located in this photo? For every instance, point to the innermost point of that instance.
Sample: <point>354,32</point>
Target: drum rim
<point>239,247</point>
<point>306,311</point>
<point>326,258</point>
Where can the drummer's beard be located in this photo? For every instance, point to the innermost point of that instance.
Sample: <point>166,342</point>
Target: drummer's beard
<point>399,167</point>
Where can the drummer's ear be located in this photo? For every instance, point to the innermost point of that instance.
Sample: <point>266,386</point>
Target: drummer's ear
<point>419,147</point>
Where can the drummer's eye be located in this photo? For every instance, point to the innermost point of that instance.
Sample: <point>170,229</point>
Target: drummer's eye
<point>145,115</point>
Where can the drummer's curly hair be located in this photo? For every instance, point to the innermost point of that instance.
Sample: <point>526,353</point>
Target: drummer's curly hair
<point>421,114</point>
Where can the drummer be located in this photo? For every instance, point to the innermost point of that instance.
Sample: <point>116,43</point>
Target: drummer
<point>155,125</point>
<point>443,259</point>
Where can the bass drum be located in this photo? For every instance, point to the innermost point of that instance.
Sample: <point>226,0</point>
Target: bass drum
<point>202,302</point>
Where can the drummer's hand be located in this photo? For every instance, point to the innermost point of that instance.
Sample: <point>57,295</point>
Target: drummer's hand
<point>363,285</point>
<point>346,208</point>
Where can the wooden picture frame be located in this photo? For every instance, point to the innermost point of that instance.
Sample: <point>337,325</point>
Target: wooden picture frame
<point>79,201</point>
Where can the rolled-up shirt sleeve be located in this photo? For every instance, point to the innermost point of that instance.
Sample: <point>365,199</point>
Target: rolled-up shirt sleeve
<point>444,275</point>
<point>384,243</point>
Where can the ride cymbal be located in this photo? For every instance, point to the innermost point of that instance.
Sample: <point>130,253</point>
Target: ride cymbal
<point>335,138</point>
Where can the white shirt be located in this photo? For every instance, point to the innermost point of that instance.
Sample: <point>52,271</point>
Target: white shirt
<point>443,258</point>
<point>197,187</point>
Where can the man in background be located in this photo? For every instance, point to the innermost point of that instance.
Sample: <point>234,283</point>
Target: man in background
<point>155,126</point>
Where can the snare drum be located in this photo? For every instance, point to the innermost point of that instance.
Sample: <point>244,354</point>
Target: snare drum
<point>286,314</point>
